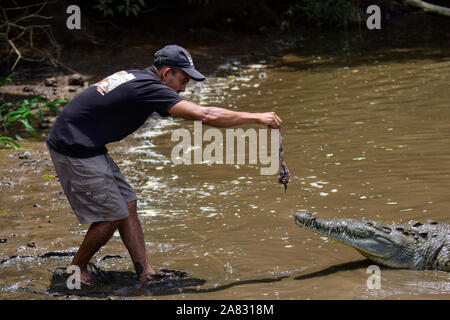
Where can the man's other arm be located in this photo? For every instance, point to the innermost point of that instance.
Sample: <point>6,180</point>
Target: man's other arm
<point>221,117</point>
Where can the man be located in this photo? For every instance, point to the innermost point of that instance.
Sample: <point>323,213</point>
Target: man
<point>109,111</point>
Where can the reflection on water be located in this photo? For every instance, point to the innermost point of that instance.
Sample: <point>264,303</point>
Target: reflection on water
<point>362,138</point>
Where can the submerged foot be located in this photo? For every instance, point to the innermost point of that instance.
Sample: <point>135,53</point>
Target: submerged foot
<point>144,274</point>
<point>151,277</point>
<point>84,276</point>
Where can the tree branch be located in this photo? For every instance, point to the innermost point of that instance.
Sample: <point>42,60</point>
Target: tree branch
<point>428,7</point>
<point>19,35</point>
<point>29,6</point>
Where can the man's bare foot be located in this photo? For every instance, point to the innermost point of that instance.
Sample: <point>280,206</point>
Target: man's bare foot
<point>85,277</point>
<point>146,276</point>
<point>144,271</point>
<point>150,277</point>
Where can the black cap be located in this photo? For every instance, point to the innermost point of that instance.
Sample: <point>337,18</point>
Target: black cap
<point>176,56</point>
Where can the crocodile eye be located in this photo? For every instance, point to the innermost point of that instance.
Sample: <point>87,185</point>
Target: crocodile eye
<point>418,224</point>
<point>369,224</point>
<point>400,229</point>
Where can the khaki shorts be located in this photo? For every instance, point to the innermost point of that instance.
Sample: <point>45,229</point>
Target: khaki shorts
<point>94,186</point>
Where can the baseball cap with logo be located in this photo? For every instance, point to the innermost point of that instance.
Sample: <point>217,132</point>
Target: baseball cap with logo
<point>176,56</point>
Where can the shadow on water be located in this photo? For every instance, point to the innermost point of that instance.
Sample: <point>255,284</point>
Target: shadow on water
<point>237,283</point>
<point>348,266</point>
<point>122,284</point>
<point>125,284</point>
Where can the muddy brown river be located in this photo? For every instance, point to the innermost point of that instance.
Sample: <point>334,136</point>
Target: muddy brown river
<point>366,134</point>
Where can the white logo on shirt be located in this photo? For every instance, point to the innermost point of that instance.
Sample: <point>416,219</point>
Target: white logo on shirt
<point>108,84</point>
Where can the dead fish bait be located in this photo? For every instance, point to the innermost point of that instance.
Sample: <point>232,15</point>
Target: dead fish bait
<point>284,171</point>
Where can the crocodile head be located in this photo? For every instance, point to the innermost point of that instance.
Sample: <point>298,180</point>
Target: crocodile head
<point>378,242</point>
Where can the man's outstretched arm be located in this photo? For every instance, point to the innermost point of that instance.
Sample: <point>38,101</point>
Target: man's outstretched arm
<point>221,117</point>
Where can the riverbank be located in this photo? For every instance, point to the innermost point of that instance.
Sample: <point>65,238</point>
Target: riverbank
<point>99,49</point>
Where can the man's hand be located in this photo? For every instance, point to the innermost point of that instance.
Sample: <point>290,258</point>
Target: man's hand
<point>271,120</point>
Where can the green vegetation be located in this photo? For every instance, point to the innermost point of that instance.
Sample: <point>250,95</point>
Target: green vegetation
<point>24,114</point>
<point>326,13</point>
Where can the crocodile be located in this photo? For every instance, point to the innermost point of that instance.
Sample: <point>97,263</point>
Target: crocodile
<point>414,246</point>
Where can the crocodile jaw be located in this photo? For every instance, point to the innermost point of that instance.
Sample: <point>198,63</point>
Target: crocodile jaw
<point>372,245</point>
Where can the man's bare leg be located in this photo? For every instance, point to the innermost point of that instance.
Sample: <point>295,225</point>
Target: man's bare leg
<point>133,237</point>
<point>98,234</point>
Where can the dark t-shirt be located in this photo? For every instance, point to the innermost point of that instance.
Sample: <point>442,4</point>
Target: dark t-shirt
<point>109,111</point>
